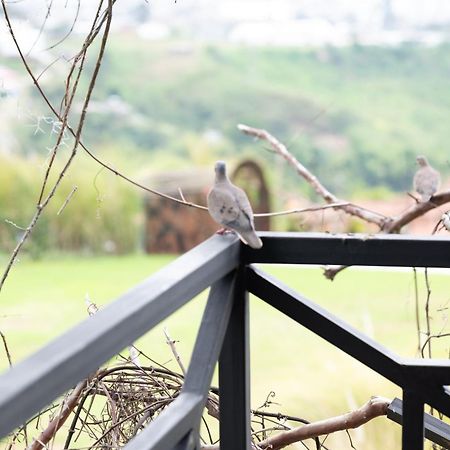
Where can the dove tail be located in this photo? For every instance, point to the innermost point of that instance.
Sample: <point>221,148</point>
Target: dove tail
<point>251,239</point>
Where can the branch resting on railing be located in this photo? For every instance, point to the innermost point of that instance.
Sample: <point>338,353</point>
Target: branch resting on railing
<point>386,224</point>
<point>375,407</point>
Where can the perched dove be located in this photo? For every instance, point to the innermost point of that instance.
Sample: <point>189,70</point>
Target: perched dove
<point>229,207</point>
<point>426,179</point>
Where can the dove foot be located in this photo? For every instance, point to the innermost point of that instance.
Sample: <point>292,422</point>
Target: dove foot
<point>224,231</point>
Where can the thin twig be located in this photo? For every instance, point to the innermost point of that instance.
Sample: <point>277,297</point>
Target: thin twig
<point>337,205</point>
<point>417,310</point>
<point>429,338</point>
<point>69,197</point>
<point>10,222</point>
<point>181,194</point>
<point>5,345</point>
<point>427,311</point>
<point>171,343</point>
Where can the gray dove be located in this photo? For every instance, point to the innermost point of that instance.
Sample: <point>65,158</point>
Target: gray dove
<point>229,207</point>
<point>426,179</point>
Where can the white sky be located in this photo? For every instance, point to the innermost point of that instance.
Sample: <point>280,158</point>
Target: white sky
<point>416,11</point>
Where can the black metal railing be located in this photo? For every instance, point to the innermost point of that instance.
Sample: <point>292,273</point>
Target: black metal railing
<point>223,263</point>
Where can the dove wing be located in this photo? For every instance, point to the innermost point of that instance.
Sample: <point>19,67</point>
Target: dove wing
<point>222,206</point>
<point>229,206</point>
<point>244,206</point>
<point>426,181</point>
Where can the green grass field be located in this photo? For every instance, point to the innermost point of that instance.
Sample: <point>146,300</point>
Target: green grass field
<point>309,377</point>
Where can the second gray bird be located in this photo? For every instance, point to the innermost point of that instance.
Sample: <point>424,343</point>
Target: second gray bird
<point>229,206</point>
<point>426,179</point>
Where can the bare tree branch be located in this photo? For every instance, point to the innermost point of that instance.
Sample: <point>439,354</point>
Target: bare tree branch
<point>68,406</point>
<point>171,343</point>
<point>396,223</point>
<point>43,202</point>
<point>375,407</point>
<point>280,148</point>
<point>386,224</point>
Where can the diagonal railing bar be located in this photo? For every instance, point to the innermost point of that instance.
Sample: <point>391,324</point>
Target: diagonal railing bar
<point>346,338</point>
<point>346,249</point>
<point>234,375</point>
<point>324,324</point>
<point>187,443</point>
<point>210,337</point>
<point>223,335</point>
<point>168,428</point>
<point>35,382</point>
<point>171,426</point>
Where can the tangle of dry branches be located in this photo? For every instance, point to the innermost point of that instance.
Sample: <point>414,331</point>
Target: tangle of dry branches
<point>112,406</point>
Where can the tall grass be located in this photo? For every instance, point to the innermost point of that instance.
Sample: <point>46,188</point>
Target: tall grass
<point>103,215</point>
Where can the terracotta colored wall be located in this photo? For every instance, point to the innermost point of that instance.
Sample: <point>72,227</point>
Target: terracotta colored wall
<point>174,228</point>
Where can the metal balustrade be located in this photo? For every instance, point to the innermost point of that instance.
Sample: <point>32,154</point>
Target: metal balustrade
<point>227,266</point>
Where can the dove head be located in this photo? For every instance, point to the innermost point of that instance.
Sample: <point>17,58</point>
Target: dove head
<point>221,170</point>
<point>422,161</point>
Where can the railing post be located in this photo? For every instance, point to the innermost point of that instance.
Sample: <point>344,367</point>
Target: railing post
<point>413,427</point>
<point>234,375</point>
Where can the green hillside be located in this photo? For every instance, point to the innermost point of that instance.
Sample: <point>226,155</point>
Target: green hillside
<point>357,116</point>
<point>378,108</point>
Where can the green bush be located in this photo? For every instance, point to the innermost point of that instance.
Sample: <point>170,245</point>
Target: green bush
<point>103,215</point>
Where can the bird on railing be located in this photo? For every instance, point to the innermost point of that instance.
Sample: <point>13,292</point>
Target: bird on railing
<point>229,206</point>
<point>426,180</point>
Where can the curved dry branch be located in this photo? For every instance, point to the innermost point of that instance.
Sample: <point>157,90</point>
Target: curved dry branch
<point>386,224</point>
<point>375,407</point>
<point>329,197</point>
<point>396,223</point>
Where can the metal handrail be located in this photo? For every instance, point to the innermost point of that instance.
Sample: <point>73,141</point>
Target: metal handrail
<point>223,263</point>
